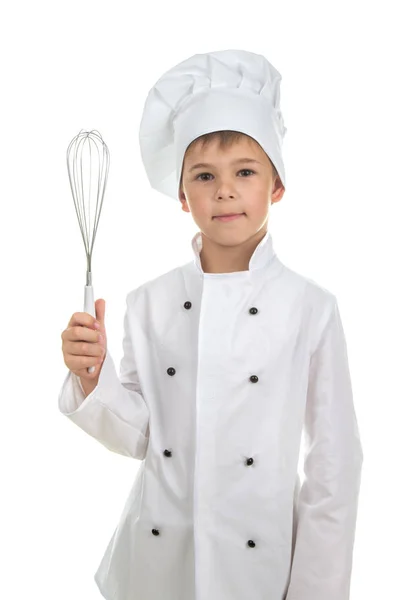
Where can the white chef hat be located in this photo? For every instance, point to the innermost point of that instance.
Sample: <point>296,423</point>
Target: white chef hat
<point>226,89</point>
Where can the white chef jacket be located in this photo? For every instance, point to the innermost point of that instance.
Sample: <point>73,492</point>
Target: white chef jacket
<point>221,376</point>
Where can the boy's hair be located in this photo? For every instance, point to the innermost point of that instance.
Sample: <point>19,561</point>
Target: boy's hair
<point>225,138</point>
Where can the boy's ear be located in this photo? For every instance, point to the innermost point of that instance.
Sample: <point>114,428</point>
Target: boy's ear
<point>182,198</point>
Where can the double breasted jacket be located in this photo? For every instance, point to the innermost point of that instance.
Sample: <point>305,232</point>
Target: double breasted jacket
<point>223,377</point>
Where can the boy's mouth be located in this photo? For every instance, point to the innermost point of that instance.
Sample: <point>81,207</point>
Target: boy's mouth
<point>228,217</point>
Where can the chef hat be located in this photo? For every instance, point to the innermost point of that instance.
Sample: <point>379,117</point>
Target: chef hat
<point>226,89</point>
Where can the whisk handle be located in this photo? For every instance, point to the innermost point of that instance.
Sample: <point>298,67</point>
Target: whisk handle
<point>90,308</point>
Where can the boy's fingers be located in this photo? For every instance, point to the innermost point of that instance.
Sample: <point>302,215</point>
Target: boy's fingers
<point>81,363</point>
<point>84,347</point>
<point>100,311</point>
<point>82,318</point>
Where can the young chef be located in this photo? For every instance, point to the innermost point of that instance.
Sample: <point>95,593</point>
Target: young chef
<point>228,361</point>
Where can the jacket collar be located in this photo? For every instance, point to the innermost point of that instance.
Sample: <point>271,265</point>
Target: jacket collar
<point>261,257</point>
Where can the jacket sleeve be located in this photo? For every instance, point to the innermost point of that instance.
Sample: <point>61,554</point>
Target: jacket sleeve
<point>328,498</point>
<point>115,412</point>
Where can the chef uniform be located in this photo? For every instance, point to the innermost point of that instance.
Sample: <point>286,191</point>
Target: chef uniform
<point>221,377</point>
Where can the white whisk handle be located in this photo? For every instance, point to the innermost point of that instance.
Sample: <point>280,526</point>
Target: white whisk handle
<point>90,308</point>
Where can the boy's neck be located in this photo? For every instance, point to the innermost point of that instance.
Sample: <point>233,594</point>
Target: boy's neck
<point>216,258</point>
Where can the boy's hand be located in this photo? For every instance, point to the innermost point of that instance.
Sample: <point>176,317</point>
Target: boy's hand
<point>81,345</point>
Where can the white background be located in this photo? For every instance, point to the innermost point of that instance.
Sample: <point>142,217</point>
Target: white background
<point>74,65</point>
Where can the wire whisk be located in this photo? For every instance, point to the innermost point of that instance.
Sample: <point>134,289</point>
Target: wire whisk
<point>88,161</point>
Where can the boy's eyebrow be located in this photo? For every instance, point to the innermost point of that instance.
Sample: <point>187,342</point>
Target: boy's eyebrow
<point>239,160</point>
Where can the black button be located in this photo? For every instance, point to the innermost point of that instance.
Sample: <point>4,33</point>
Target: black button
<point>171,371</point>
<point>251,543</point>
<point>167,452</point>
<point>254,379</point>
<point>155,532</point>
<point>188,305</point>
<point>249,461</point>
<point>253,310</point>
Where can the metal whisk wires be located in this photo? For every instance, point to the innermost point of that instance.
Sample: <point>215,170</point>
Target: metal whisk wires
<point>88,161</point>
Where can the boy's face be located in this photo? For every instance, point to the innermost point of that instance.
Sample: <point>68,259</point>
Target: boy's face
<point>229,186</point>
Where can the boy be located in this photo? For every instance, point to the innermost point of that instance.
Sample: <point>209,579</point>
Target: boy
<point>227,361</point>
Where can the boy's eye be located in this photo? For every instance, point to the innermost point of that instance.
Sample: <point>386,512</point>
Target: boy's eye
<point>241,171</point>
